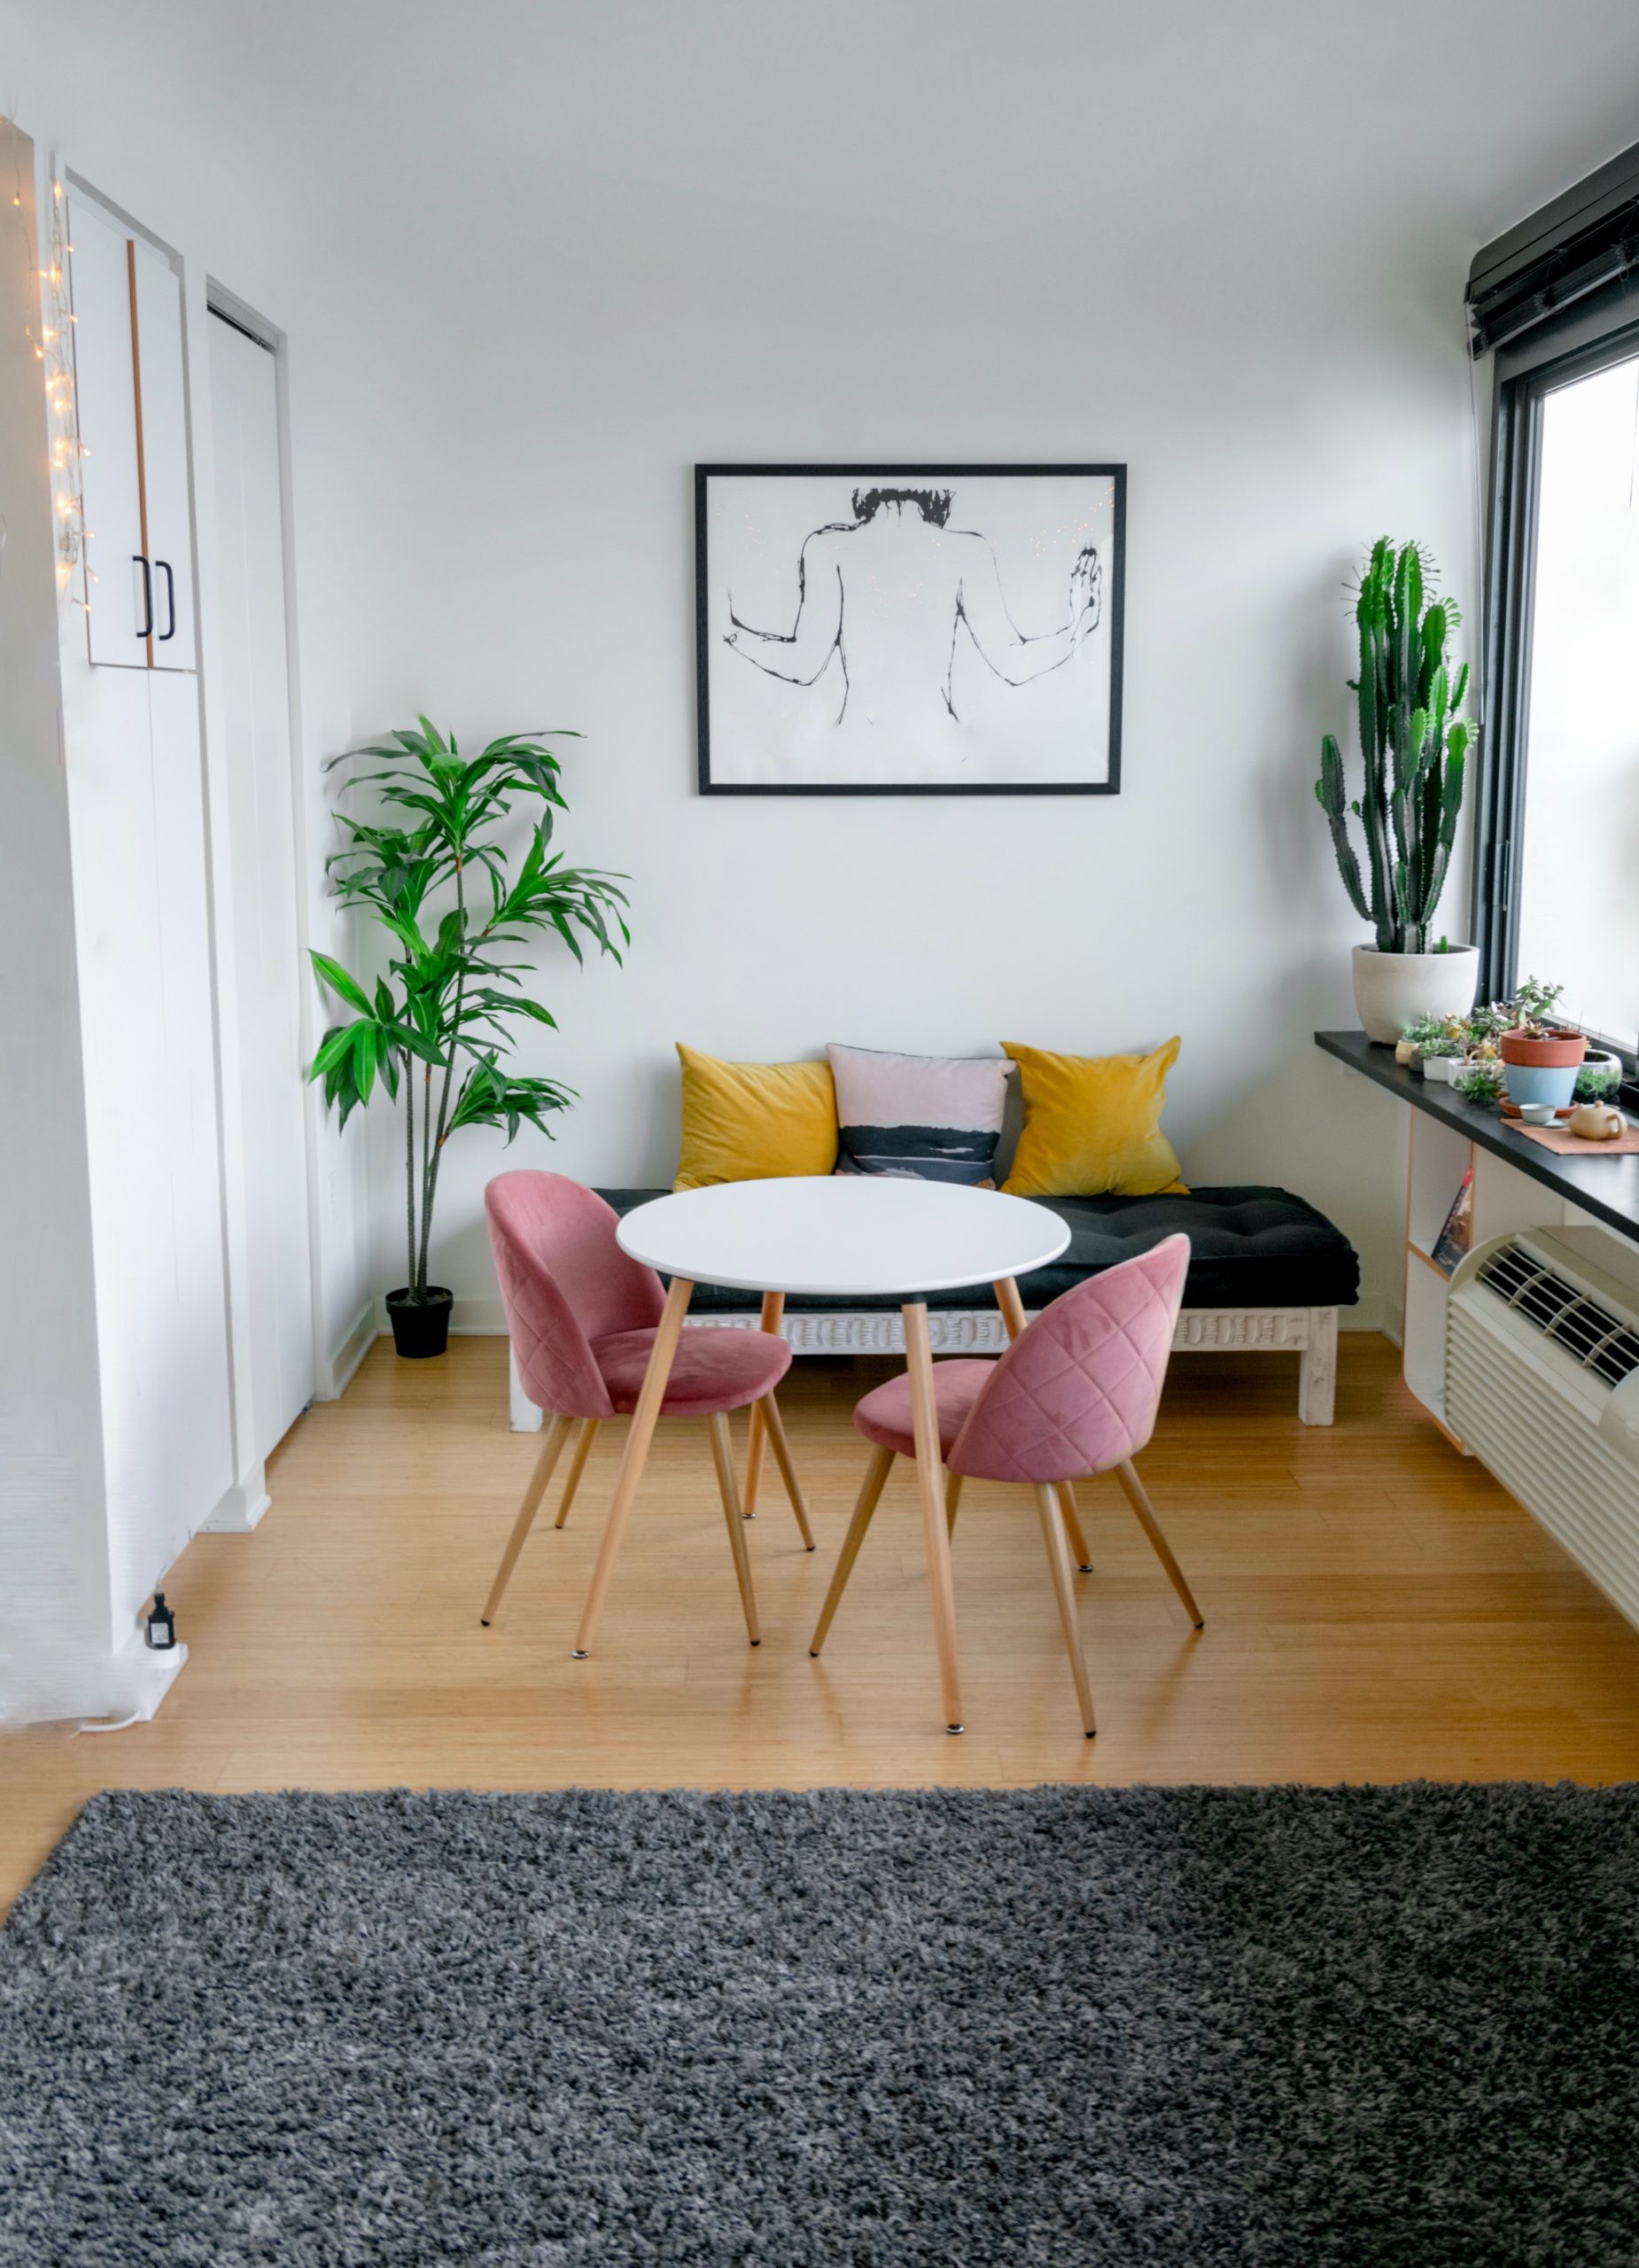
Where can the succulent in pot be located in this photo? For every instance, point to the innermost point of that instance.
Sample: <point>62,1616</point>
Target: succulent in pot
<point>1480,1081</point>
<point>1438,1044</point>
<point>1541,1057</point>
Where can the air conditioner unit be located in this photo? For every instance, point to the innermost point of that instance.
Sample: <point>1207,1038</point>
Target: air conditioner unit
<point>1542,1384</point>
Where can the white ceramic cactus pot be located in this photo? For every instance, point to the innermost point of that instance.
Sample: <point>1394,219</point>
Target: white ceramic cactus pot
<point>1394,990</point>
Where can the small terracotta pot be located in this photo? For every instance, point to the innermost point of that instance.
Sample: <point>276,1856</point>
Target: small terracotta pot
<point>1553,1053</point>
<point>1542,1070</point>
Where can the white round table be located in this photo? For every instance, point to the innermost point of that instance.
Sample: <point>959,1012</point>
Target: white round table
<point>843,1236</point>
<point>831,1235</point>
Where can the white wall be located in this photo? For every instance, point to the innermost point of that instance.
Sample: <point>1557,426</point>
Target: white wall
<point>54,1585</point>
<point>536,261</point>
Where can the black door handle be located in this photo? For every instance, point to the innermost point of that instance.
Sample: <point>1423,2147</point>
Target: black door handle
<point>138,561</point>
<point>164,566</point>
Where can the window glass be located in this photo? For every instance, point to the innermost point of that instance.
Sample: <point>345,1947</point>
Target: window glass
<point>1579,870</point>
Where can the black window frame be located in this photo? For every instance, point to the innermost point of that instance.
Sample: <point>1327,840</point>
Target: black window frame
<point>1592,334</point>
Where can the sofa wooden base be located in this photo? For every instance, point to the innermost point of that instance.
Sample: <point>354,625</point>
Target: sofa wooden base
<point>1310,1332</point>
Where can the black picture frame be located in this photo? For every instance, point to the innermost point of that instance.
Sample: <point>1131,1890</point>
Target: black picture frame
<point>895,472</point>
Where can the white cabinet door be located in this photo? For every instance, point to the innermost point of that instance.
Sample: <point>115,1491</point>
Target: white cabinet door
<point>163,423</point>
<point>256,710</point>
<point>137,810</point>
<point>133,420</point>
<point>105,392</point>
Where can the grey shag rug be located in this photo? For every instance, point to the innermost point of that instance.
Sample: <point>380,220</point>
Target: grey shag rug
<point>1278,2026</point>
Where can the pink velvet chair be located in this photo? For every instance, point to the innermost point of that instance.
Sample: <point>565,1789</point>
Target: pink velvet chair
<point>1076,1394</point>
<point>582,1314</point>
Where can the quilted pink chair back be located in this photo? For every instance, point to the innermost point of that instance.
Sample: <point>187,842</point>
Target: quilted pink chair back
<point>564,1282</point>
<point>1077,1391</point>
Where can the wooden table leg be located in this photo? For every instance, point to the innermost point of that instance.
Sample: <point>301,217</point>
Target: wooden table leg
<point>773,1313</point>
<point>875,1477</point>
<point>1012,1306</point>
<point>930,1485</point>
<point>723,1457</point>
<point>638,1438</point>
<point>774,1427</point>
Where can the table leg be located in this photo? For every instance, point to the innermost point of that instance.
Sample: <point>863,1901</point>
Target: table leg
<point>931,1484</point>
<point>631,1463</point>
<point>1012,1306</point>
<point>757,1439</point>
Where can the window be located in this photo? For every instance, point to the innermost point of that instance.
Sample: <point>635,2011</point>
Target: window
<point>1555,303</point>
<point>1578,858</point>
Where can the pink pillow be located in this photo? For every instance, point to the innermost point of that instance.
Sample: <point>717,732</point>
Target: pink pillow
<point>918,1117</point>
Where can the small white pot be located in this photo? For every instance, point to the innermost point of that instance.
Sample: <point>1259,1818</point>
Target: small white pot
<point>1440,1070</point>
<point>1394,990</point>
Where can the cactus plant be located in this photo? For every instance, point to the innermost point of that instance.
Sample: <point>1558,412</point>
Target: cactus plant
<point>1414,741</point>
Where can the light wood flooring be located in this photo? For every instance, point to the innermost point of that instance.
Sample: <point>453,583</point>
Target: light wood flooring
<point>1376,1608</point>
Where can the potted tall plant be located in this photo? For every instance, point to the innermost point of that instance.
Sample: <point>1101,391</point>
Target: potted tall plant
<point>435,874</point>
<point>1414,742</point>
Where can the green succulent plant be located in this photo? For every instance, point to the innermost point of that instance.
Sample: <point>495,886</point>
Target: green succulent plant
<point>1414,743</point>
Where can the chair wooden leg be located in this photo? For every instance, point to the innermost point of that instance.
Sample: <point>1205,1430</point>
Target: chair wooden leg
<point>871,1489</point>
<point>1064,1591</point>
<point>774,1312</point>
<point>723,1456</point>
<point>639,1436</point>
<point>1126,1474</point>
<point>952,1497</point>
<point>1009,1299</point>
<point>930,1486</point>
<point>774,1426</point>
<point>577,1465</point>
<point>551,1450</point>
<point>1065,1495</point>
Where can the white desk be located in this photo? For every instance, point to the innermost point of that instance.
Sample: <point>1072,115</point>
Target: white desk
<point>838,1236</point>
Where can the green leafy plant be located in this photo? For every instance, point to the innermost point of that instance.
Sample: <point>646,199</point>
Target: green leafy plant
<point>434,873</point>
<point>1533,1005</point>
<point>1414,743</point>
<point>1480,1082</point>
<point>1491,1020</point>
<point>1598,1083</point>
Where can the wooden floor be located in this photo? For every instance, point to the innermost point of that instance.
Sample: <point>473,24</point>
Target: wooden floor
<point>1377,1609</point>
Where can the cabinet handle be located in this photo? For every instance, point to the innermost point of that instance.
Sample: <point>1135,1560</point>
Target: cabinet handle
<point>164,566</point>
<point>138,561</point>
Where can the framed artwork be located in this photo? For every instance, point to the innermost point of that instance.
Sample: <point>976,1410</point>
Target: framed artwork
<point>909,629</point>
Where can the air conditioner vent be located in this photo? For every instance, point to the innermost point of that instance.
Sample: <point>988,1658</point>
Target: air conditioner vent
<point>1600,1341</point>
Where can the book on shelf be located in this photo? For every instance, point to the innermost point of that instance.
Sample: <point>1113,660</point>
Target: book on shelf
<point>1453,1242</point>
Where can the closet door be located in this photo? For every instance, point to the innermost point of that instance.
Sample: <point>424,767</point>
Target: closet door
<point>132,402</point>
<point>162,423</point>
<point>138,814</point>
<point>256,709</point>
<point>117,614</point>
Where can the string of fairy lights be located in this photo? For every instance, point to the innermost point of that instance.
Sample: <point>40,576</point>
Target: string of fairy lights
<point>52,345</point>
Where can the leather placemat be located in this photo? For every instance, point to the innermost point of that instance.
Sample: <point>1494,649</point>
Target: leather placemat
<point>1573,1145</point>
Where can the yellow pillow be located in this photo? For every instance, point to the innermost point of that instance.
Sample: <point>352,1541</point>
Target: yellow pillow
<point>754,1121</point>
<point>1092,1125</point>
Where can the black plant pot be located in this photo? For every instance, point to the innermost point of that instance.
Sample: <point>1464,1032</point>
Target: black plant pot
<point>420,1327</point>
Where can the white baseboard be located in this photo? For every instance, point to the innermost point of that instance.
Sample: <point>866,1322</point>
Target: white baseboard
<point>241,1506</point>
<point>356,1342</point>
<point>138,1681</point>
